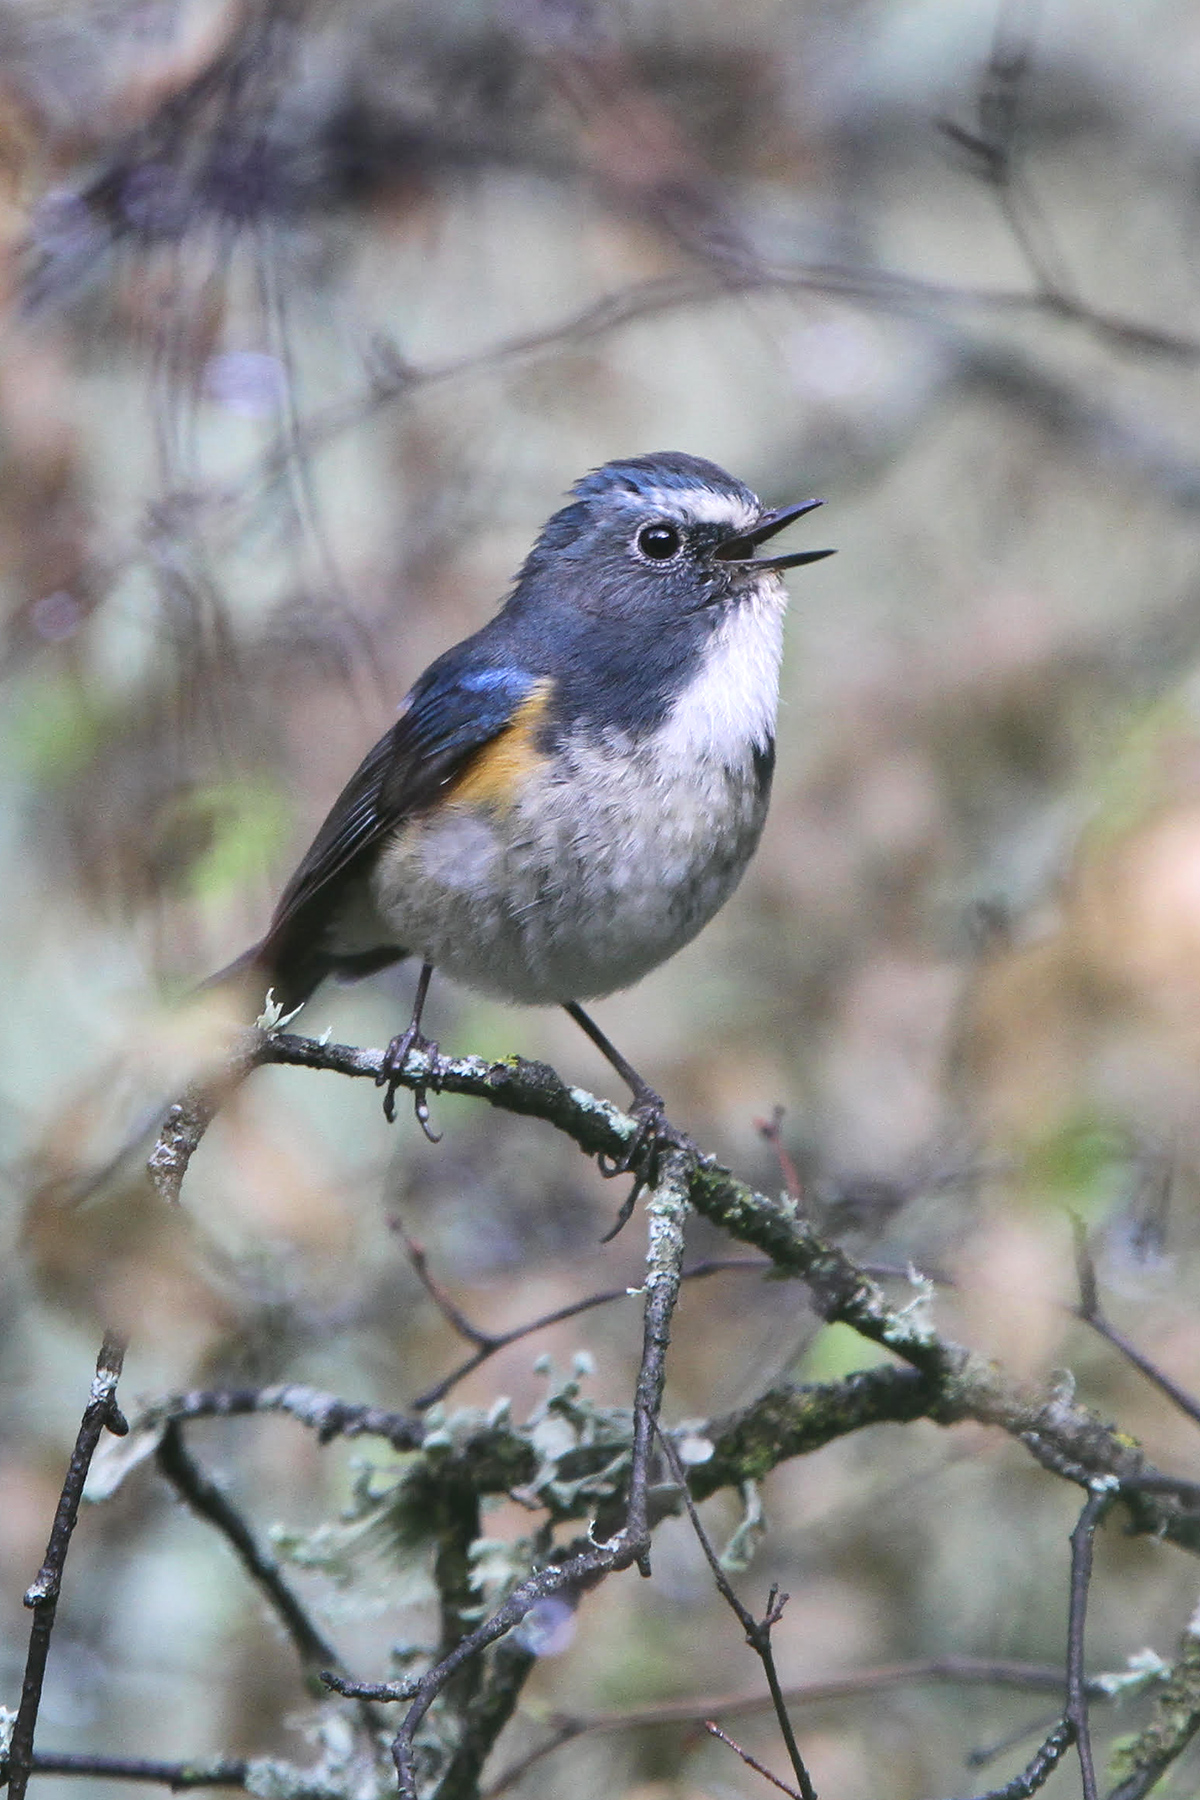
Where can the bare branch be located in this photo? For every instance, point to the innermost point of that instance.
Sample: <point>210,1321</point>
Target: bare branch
<point>452,1314</point>
<point>489,1344</point>
<point>1040,1767</point>
<point>202,1495</point>
<point>179,1776</point>
<point>190,1117</point>
<point>952,1670</point>
<point>101,1414</point>
<point>667,1209</point>
<point>323,1413</point>
<point>1082,1540</point>
<point>1090,1311</point>
<point>1060,1434</point>
<point>758,1631</point>
<point>772,1130</point>
<point>750,1761</point>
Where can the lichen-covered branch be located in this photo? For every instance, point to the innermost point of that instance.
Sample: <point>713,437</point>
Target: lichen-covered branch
<point>954,1384</point>
<point>1174,1720</point>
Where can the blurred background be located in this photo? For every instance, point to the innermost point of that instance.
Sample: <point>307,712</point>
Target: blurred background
<point>311,315</point>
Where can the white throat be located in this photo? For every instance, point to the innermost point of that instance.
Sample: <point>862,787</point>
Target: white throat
<point>728,709</point>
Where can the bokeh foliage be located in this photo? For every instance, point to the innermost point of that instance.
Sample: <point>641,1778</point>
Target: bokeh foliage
<point>311,315</point>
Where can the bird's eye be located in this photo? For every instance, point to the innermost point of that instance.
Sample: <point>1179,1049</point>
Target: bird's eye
<point>659,542</point>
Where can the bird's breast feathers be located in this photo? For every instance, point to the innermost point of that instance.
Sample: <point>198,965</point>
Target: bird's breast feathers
<point>549,874</point>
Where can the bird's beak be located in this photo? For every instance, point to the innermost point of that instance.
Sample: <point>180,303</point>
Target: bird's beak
<point>741,549</point>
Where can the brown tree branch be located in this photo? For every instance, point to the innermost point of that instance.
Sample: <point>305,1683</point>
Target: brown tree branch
<point>488,1344</point>
<point>1038,1769</point>
<point>714,1730</point>
<point>100,1415</point>
<point>757,1632</point>
<point>178,1776</point>
<point>955,1384</point>
<point>202,1496</point>
<point>1082,1541</point>
<point>1091,1312</point>
<point>949,1670</point>
<point>667,1207</point>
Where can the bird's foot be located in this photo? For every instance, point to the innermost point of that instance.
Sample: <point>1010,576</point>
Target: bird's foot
<point>392,1068</point>
<point>655,1135</point>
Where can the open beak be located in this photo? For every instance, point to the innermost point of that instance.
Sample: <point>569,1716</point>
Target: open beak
<point>741,549</point>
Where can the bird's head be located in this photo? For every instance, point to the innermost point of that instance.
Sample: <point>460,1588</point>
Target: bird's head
<point>661,537</point>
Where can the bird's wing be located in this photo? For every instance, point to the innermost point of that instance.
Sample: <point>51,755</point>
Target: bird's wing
<point>452,715</point>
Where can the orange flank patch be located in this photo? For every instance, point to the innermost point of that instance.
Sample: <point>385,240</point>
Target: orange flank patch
<point>496,774</point>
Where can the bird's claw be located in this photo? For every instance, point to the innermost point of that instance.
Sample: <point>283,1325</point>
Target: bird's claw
<point>392,1068</point>
<point>655,1135</point>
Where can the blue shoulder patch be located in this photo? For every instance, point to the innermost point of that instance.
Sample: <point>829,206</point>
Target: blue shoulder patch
<point>455,709</point>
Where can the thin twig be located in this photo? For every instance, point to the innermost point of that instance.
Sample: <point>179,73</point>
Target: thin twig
<point>488,1344</point>
<point>101,1414</point>
<point>1089,1310</point>
<point>484,1718</point>
<point>751,1762</point>
<point>1082,1540</point>
<point>758,1631</point>
<point>1154,1483</point>
<point>1038,1769</point>
<point>395,377</point>
<point>323,1413</point>
<point>772,1130</point>
<point>953,1670</point>
<point>982,1754</point>
<point>1057,1431</point>
<point>202,1495</point>
<point>666,1210</point>
<point>1178,1396</point>
<point>992,145</point>
<point>368,1690</point>
<point>453,1315</point>
<point>178,1776</point>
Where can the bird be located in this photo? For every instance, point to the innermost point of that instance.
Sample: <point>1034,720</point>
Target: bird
<point>569,794</point>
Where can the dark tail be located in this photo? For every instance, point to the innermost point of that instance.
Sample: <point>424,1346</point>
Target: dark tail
<point>292,976</point>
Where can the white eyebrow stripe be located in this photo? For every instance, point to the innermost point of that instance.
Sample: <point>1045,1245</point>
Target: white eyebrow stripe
<point>702,505</point>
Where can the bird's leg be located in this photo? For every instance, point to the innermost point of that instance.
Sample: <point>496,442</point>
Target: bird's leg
<point>654,1129</point>
<point>411,1038</point>
<point>644,1096</point>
